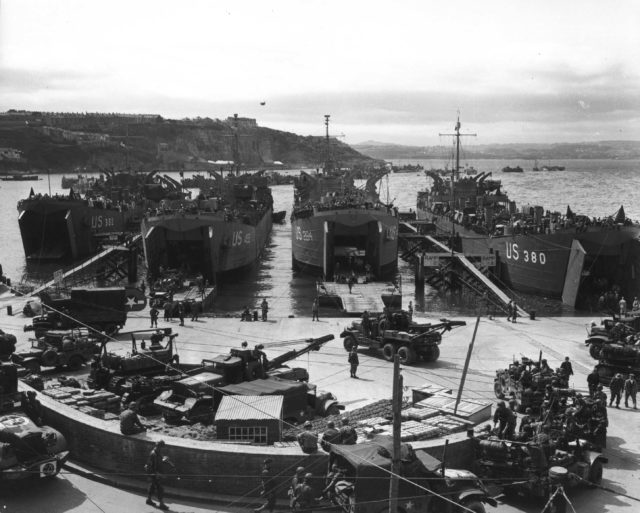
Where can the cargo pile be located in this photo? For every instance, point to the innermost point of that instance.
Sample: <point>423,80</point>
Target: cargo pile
<point>99,404</point>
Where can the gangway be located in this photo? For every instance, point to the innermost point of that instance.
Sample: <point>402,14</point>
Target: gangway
<point>473,270</point>
<point>103,256</point>
<point>372,297</point>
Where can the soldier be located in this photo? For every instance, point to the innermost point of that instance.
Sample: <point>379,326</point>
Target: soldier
<point>265,308</point>
<point>129,422</point>
<point>296,480</point>
<point>304,498</point>
<point>153,314</point>
<point>348,435</point>
<point>566,367</point>
<point>268,490</point>
<point>308,440</point>
<point>315,311</point>
<point>504,420</point>
<point>153,468</point>
<point>593,380</point>
<point>330,436</point>
<point>527,420</point>
<point>600,395</point>
<point>616,385</point>
<point>181,313</point>
<point>332,478</point>
<point>366,324</point>
<point>630,390</point>
<point>354,361</point>
<point>195,310</point>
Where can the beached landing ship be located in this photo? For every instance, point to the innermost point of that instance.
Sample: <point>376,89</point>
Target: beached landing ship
<point>222,230</point>
<point>566,256</point>
<point>336,225</point>
<point>74,226</point>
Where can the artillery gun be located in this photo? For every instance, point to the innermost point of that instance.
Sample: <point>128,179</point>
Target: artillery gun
<point>397,333</point>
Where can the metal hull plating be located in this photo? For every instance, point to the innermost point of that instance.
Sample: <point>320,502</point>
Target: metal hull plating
<point>540,263</point>
<point>58,228</point>
<point>368,234</point>
<point>203,242</point>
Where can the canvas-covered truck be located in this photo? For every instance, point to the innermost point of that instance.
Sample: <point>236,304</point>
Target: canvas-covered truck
<point>26,448</point>
<point>425,484</point>
<point>103,309</point>
<point>398,334</point>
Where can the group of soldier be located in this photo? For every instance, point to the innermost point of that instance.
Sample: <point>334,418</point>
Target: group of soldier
<point>551,407</point>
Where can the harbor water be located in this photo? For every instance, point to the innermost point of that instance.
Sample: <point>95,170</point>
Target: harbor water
<point>595,188</point>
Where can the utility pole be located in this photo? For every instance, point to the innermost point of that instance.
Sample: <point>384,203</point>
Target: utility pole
<point>466,366</point>
<point>397,422</point>
<point>455,172</point>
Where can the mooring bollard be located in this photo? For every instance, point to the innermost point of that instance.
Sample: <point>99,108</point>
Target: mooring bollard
<point>9,310</point>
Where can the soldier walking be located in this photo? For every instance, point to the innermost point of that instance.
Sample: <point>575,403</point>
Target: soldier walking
<point>181,313</point>
<point>630,390</point>
<point>153,468</point>
<point>616,385</point>
<point>314,311</point>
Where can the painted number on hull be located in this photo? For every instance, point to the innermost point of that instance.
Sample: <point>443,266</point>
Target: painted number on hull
<point>392,233</point>
<point>535,257</point>
<point>101,222</point>
<point>239,238</point>
<point>304,235</point>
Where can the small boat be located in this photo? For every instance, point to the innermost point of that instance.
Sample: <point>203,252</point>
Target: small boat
<point>516,169</point>
<point>278,217</point>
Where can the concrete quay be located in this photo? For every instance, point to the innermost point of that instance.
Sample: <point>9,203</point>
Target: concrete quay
<point>497,343</point>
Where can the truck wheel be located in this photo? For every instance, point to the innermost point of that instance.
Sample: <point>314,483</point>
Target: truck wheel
<point>348,342</point>
<point>474,505</point>
<point>594,351</point>
<point>388,351</point>
<point>595,474</point>
<point>75,362</point>
<point>332,410</point>
<point>435,353</point>
<point>407,355</point>
<point>49,358</point>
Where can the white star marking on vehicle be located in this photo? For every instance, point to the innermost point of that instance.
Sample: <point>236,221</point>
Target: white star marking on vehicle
<point>131,301</point>
<point>409,506</point>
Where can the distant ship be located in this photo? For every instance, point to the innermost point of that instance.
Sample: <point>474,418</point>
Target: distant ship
<point>75,226</point>
<point>509,169</point>
<point>224,229</point>
<point>19,177</point>
<point>566,256</point>
<point>338,226</point>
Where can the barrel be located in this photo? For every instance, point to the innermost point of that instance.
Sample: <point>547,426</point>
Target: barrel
<point>532,315</point>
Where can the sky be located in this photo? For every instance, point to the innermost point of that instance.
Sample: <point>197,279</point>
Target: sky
<point>536,71</point>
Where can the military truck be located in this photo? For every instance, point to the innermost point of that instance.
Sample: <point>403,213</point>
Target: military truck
<point>396,333</point>
<point>619,330</point>
<point>533,470</point>
<point>26,448</point>
<point>66,348</point>
<point>101,309</point>
<point>424,485</point>
<point>195,397</point>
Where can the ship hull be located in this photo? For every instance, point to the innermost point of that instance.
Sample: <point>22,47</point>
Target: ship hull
<point>203,243</point>
<point>61,228</point>
<point>330,236</point>
<point>562,264</point>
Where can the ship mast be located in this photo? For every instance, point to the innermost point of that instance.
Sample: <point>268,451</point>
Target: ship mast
<point>328,165</point>
<point>236,146</point>
<point>455,173</point>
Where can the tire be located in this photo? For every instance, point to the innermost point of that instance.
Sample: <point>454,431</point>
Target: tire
<point>595,474</point>
<point>497,389</point>
<point>332,410</point>
<point>435,353</point>
<point>407,355</point>
<point>594,351</point>
<point>382,325</point>
<point>474,505</point>
<point>388,351</point>
<point>75,362</point>
<point>49,358</point>
<point>348,342</point>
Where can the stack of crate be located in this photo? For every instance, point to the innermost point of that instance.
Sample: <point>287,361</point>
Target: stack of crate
<point>97,403</point>
<point>448,423</point>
